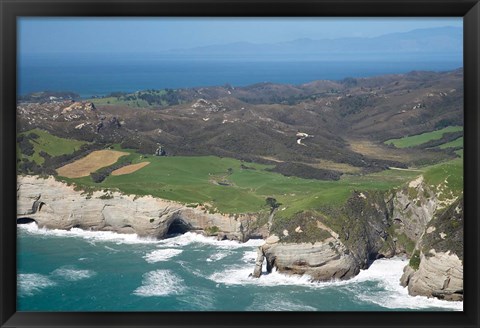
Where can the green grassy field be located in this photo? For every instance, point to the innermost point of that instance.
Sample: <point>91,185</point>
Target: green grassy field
<point>419,139</point>
<point>229,188</point>
<point>452,144</point>
<point>449,173</point>
<point>136,99</point>
<point>116,101</point>
<point>52,145</point>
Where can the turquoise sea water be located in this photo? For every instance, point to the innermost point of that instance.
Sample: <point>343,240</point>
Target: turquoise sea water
<point>102,271</point>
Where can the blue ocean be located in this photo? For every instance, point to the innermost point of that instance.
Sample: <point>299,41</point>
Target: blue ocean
<point>91,77</point>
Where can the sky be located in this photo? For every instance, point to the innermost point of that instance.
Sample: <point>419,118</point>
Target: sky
<point>44,35</point>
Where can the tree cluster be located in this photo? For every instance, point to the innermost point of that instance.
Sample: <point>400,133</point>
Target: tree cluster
<point>101,174</point>
<point>305,171</point>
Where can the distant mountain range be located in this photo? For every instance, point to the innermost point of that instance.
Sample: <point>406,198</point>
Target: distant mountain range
<point>443,41</point>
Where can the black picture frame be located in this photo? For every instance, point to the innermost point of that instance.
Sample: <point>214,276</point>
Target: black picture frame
<point>10,10</point>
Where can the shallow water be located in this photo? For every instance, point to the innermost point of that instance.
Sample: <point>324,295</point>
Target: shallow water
<point>102,271</point>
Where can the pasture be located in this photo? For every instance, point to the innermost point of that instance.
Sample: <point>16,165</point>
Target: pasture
<point>416,140</point>
<point>232,186</point>
<point>244,187</point>
<point>50,144</point>
<point>452,144</point>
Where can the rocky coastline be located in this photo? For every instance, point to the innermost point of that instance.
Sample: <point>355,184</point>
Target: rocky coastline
<point>56,205</point>
<point>411,222</point>
<point>436,267</point>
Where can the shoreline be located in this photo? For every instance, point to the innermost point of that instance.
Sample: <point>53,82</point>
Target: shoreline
<point>55,205</point>
<point>238,275</point>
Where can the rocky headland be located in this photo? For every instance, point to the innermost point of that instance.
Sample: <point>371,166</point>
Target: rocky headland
<point>56,205</point>
<point>413,221</point>
<point>436,266</point>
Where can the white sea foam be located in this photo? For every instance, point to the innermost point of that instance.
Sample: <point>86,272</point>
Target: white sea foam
<point>72,274</point>
<point>240,275</point>
<point>98,236</point>
<point>31,283</point>
<point>161,255</point>
<point>385,272</point>
<point>90,236</point>
<point>160,283</point>
<point>249,257</point>
<point>218,256</point>
<point>190,238</point>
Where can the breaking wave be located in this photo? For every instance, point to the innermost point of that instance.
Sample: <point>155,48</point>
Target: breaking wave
<point>161,255</point>
<point>240,275</point>
<point>160,283</point>
<point>90,236</point>
<point>29,284</point>
<point>118,238</point>
<point>218,256</point>
<point>191,238</point>
<point>249,257</point>
<point>73,274</point>
<point>385,273</point>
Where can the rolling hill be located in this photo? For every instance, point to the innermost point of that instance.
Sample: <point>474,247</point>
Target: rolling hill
<point>347,122</point>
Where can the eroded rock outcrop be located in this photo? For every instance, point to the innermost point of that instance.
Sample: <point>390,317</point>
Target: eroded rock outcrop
<point>438,275</point>
<point>436,268</point>
<point>55,205</point>
<point>334,243</point>
<point>412,208</point>
<point>322,261</point>
<point>333,246</point>
<point>79,107</point>
<point>337,242</point>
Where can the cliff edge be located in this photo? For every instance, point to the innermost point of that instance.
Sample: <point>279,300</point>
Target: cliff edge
<point>56,205</point>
